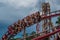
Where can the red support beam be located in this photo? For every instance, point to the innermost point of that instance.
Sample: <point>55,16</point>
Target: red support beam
<point>46,17</point>
<point>52,15</point>
<point>46,35</point>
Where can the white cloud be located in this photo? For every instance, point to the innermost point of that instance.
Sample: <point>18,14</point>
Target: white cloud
<point>21,3</point>
<point>55,4</point>
<point>33,11</point>
<point>25,7</point>
<point>10,13</point>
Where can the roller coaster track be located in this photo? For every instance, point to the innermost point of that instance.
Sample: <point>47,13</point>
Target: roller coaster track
<point>36,17</point>
<point>40,33</point>
<point>47,35</point>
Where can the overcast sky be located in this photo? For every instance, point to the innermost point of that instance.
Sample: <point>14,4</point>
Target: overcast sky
<point>12,10</point>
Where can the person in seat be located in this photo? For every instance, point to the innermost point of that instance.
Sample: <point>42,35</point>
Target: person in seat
<point>5,37</point>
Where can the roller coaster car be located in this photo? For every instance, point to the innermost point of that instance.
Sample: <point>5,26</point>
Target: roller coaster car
<point>10,27</point>
<point>15,24</point>
<point>28,18</point>
<point>19,29</point>
<point>16,27</point>
<point>33,18</point>
<point>23,23</point>
<point>29,21</point>
<point>37,15</point>
<point>19,21</point>
<point>11,30</point>
<point>4,37</point>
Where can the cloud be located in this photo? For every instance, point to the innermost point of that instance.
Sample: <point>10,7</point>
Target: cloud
<point>21,3</point>
<point>2,4</point>
<point>55,4</point>
<point>9,12</point>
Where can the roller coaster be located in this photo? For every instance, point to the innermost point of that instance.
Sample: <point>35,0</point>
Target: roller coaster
<point>29,20</point>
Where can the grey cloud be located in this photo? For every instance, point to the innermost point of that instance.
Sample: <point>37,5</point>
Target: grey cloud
<point>9,14</point>
<point>54,4</point>
<point>2,4</point>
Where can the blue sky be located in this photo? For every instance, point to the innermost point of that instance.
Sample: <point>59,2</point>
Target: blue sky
<point>12,10</point>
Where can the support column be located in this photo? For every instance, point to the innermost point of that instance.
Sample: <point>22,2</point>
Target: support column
<point>46,11</point>
<point>24,32</point>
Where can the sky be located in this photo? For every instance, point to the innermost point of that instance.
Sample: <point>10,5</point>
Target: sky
<point>12,10</point>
